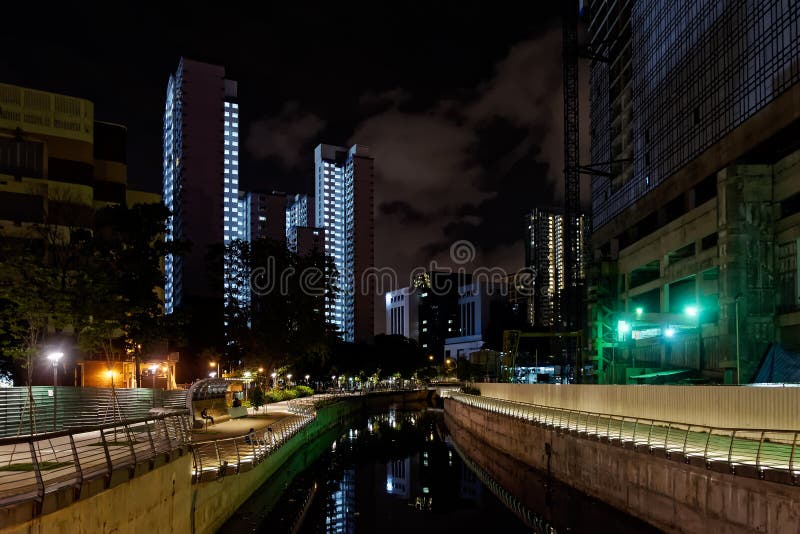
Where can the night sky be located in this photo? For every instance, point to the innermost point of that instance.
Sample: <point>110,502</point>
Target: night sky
<point>460,103</point>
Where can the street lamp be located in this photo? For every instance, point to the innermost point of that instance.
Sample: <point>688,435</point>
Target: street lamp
<point>738,362</point>
<point>639,312</point>
<point>54,357</point>
<point>669,332</point>
<point>273,375</point>
<point>289,379</point>
<point>153,369</point>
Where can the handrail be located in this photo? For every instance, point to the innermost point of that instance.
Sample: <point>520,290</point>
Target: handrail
<point>217,458</point>
<point>772,453</point>
<point>35,465</point>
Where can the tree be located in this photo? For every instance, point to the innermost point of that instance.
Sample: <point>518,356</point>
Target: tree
<point>31,301</point>
<point>257,398</point>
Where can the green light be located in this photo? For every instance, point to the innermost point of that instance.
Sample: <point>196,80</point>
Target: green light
<point>639,311</point>
<point>623,327</point>
<point>691,311</point>
<point>669,332</point>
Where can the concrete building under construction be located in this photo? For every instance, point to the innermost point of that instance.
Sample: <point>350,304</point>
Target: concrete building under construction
<point>695,130</point>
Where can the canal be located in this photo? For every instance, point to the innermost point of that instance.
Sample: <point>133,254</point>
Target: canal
<point>400,471</point>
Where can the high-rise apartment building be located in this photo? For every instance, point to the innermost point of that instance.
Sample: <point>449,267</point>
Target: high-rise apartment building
<point>696,109</point>
<point>299,212</point>
<point>544,256</point>
<point>201,182</point>
<point>262,215</point>
<point>344,198</point>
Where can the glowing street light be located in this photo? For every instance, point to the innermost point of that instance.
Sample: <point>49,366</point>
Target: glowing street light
<point>153,369</point>
<point>639,312</point>
<point>212,374</point>
<point>691,311</point>
<point>669,332</point>
<point>54,357</point>
<point>273,375</point>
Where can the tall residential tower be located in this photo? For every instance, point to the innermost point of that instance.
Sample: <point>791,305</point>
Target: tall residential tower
<point>201,182</point>
<point>344,198</point>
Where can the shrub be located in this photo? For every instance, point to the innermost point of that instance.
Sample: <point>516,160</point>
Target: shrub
<point>303,391</point>
<point>289,394</point>
<point>274,395</point>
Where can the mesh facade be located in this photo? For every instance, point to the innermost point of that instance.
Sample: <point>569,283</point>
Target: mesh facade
<point>680,76</point>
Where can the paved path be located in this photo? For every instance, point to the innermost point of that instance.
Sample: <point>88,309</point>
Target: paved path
<point>257,420</point>
<point>763,450</point>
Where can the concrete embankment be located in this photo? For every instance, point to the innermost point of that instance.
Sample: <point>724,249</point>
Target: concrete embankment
<point>165,500</point>
<point>672,496</point>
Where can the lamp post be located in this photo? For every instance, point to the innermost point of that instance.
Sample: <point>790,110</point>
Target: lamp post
<point>738,361</point>
<point>153,369</point>
<point>289,380</point>
<point>247,375</point>
<point>54,357</point>
<point>273,375</point>
<point>693,312</point>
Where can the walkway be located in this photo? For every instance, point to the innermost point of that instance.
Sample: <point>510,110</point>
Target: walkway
<point>766,454</point>
<point>229,447</point>
<point>33,466</point>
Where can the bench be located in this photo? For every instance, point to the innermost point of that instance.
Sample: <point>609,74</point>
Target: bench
<point>237,412</point>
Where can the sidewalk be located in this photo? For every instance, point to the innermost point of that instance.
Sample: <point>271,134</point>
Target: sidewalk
<point>266,416</point>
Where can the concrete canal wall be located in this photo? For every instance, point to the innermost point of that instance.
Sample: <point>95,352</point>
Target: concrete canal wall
<point>164,500</point>
<point>718,406</point>
<point>154,502</point>
<point>672,496</point>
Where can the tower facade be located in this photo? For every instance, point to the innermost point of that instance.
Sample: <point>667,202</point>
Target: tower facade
<point>344,199</point>
<point>200,178</point>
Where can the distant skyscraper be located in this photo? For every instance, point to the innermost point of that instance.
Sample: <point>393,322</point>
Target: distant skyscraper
<point>200,176</point>
<point>344,209</point>
<point>264,215</point>
<point>299,212</point>
<point>402,308</point>
<point>544,254</point>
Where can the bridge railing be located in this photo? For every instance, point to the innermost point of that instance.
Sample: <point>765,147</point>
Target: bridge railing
<point>765,454</point>
<point>32,466</point>
<point>217,458</point>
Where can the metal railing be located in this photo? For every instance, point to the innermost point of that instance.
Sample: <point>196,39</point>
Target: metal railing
<point>765,454</point>
<point>77,407</point>
<point>217,458</point>
<point>35,465</point>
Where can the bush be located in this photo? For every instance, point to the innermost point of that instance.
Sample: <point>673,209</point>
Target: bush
<point>469,390</point>
<point>303,391</point>
<point>289,394</point>
<point>274,395</point>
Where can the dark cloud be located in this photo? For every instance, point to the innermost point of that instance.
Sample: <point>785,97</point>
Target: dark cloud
<point>470,165</point>
<point>286,137</point>
<point>372,102</point>
<point>406,213</point>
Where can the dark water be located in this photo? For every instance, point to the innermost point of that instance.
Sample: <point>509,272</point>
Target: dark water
<point>400,472</point>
